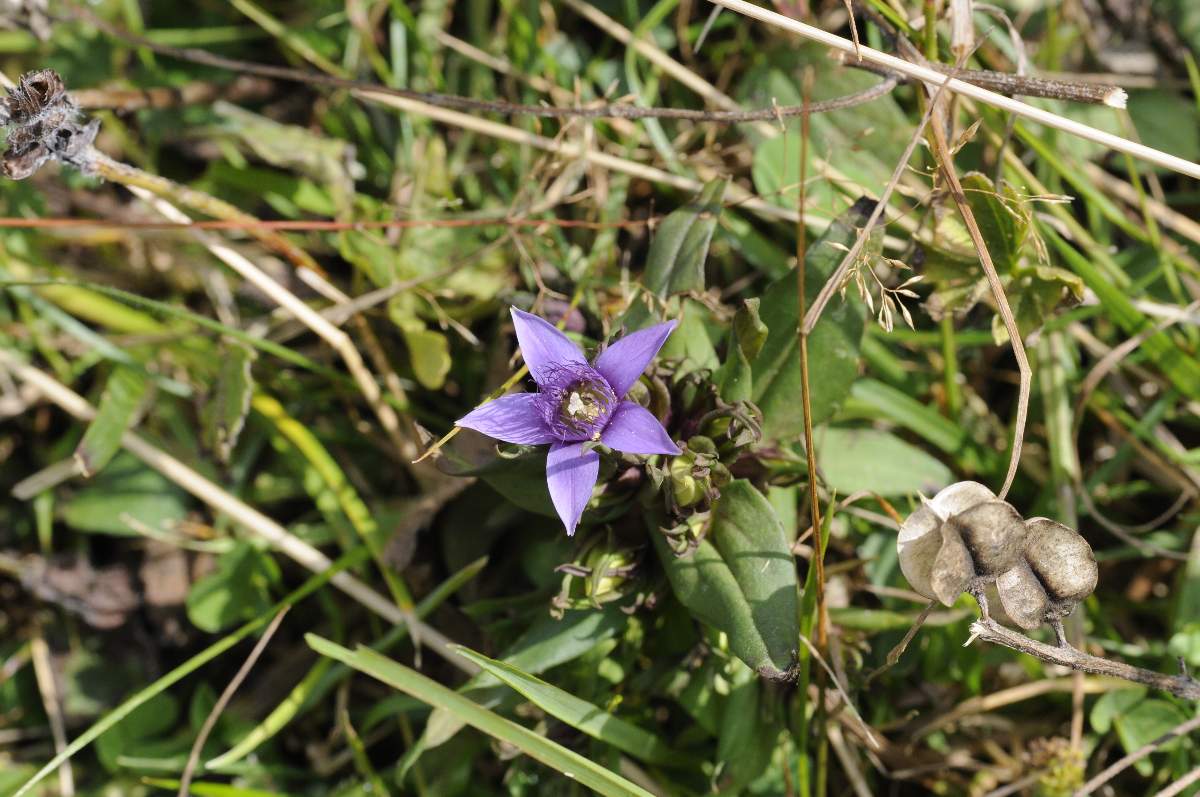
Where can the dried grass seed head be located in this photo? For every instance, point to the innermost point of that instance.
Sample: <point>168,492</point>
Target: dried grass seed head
<point>43,124</point>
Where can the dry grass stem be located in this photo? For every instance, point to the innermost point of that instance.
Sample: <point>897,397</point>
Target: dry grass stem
<point>43,670</point>
<point>935,78</point>
<point>249,518</point>
<point>1111,771</point>
<point>193,760</point>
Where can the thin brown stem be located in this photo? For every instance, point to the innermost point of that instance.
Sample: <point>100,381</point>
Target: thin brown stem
<point>1109,772</point>
<point>469,104</point>
<point>189,769</point>
<point>946,163</point>
<point>103,166</point>
<point>1065,656</point>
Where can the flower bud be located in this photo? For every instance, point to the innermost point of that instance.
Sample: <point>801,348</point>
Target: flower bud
<point>600,576</point>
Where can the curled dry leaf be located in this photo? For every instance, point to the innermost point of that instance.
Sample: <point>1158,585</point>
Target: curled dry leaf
<point>965,538</point>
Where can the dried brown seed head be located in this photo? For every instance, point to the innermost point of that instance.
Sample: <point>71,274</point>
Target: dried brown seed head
<point>1062,560</point>
<point>43,125</point>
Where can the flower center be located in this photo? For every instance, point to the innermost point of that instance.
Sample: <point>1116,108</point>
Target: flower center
<point>577,403</point>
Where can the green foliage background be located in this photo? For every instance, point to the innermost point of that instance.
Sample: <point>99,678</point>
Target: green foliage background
<point>661,650</point>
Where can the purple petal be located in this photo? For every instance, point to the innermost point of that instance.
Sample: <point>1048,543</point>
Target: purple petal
<point>543,346</point>
<point>571,474</point>
<point>635,430</point>
<point>513,419</point>
<point>624,361</point>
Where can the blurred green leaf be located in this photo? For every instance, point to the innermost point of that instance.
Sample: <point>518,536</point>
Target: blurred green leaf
<point>749,730</point>
<point>742,580</point>
<point>690,342</point>
<point>115,414</point>
<point>1144,722</point>
<point>237,590</point>
<point>877,461</point>
<point>430,353</point>
<point>429,691</point>
<point>1113,704</point>
<point>862,143</point>
<point>1166,120</point>
<point>225,412</point>
<point>833,346</point>
<point>125,489</point>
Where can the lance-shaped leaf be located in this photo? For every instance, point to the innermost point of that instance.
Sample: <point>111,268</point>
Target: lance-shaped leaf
<point>675,263</point>
<point>116,413</point>
<point>746,339</point>
<point>427,690</point>
<point>580,714</point>
<point>227,407</point>
<point>742,580</point>
<point>833,346</point>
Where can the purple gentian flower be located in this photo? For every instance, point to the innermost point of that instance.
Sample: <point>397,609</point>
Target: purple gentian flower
<point>576,403</point>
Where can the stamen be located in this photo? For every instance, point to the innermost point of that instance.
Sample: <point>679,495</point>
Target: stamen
<point>576,402</point>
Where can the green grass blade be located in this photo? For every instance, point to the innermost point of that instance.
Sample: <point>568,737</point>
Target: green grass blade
<point>429,691</point>
<point>580,714</point>
<point>109,720</point>
<point>326,675</point>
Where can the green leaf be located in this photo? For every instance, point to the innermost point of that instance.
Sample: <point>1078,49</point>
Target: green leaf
<point>675,263</point>
<point>1113,704</point>
<point>520,479</point>
<point>1185,644</point>
<point>742,580</point>
<point>748,733</point>
<point>862,143</point>
<point>1001,216</point>
<point>126,489</point>
<point>555,756</point>
<point>140,698</point>
<point>238,589</point>
<point>430,353</point>
<point>225,412</point>
<point>746,338</point>
<point>580,714</point>
<point>833,346</point>
<point>545,644</point>
<point>1145,722</point>
<point>202,789</point>
<point>877,461</point>
<point>1166,120</point>
<point>123,394</point>
<point>690,341</point>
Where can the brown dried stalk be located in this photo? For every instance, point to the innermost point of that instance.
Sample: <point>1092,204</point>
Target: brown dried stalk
<point>1182,685</point>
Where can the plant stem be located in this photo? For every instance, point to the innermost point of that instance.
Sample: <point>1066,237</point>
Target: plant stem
<point>1183,685</point>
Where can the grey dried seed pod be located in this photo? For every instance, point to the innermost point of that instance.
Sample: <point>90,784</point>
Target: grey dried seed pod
<point>921,540</point>
<point>952,567</point>
<point>1022,596</point>
<point>921,537</point>
<point>994,532</point>
<point>1062,560</point>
